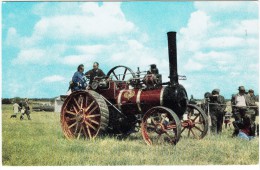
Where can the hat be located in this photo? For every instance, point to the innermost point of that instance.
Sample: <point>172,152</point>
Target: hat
<point>206,95</point>
<point>250,91</point>
<point>216,90</point>
<point>241,88</point>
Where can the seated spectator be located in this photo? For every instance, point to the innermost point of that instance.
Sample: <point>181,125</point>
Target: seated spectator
<point>244,128</point>
<point>78,80</point>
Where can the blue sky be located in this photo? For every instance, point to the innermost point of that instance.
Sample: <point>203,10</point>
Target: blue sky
<point>44,42</point>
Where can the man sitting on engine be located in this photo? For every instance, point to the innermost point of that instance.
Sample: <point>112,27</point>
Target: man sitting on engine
<point>95,72</point>
<point>78,80</point>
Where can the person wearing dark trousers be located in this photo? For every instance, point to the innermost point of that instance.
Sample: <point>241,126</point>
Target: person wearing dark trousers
<point>217,109</point>
<point>26,111</point>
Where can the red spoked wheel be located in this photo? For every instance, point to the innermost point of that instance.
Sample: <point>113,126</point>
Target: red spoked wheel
<point>84,114</point>
<point>160,125</point>
<point>194,123</point>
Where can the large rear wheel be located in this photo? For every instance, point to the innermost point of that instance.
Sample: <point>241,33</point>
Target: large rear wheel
<point>84,114</point>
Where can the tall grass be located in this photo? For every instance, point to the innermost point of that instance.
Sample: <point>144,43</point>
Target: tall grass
<point>41,142</point>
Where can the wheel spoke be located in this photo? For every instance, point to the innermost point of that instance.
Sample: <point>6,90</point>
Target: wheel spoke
<point>76,103</point>
<point>81,103</point>
<point>193,120</point>
<point>188,115</point>
<point>75,109</point>
<point>89,134</point>
<point>124,74</point>
<point>84,131</point>
<point>68,118</point>
<point>88,124</point>
<point>162,120</point>
<point>79,131</point>
<point>93,121</point>
<point>89,106</point>
<point>72,113</point>
<point>198,128</point>
<point>171,127</point>
<point>171,140</point>
<point>183,129</point>
<point>115,75</point>
<point>93,110</point>
<point>72,125</point>
<point>189,133</point>
<point>194,134</point>
<point>76,129</point>
<point>153,121</point>
<point>89,116</point>
<point>150,126</point>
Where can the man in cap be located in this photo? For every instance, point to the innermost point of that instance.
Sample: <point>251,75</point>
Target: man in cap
<point>244,117</point>
<point>240,102</point>
<point>95,72</point>
<point>216,108</point>
<point>204,102</point>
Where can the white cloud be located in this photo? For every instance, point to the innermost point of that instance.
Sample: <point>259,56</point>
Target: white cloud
<point>76,59</point>
<point>76,30</point>
<point>225,42</point>
<point>93,49</point>
<point>12,37</point>
<point>94,20</point>
<point>224,7</point>
<point>220,47</point>
<point>53,78</point>
<point>193,65</point>
<point>30,56</point>
<point>14,88</point>
<point>213,56</point>
<point>196,30</point>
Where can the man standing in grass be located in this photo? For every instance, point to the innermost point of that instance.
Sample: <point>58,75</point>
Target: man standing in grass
<point>27,110</point>
<point>240,102</point>
<point>217,107</point>
<point>252,102</point>
<point>15,109</point>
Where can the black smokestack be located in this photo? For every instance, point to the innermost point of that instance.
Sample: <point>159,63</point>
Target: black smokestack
<point>172,47</point>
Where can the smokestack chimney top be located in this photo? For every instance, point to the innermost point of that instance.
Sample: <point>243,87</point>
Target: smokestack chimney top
<point>172,48</point>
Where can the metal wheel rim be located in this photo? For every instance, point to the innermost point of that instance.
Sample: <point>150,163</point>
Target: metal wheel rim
<point>156,129</point>
<point>195,126</point>
<point>80,116</point>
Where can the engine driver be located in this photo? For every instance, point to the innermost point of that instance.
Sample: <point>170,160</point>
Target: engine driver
<point>95,72</point>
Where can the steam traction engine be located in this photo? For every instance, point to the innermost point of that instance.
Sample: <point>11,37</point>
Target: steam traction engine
<point>122,103</point>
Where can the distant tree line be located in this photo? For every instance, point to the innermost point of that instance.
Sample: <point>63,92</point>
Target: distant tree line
<point>18,99</point>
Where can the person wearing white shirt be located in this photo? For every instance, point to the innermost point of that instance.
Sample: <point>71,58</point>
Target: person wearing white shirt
<point>15,109</point>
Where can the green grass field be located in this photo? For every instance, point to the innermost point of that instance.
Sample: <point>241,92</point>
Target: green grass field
<point>41,142</point>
